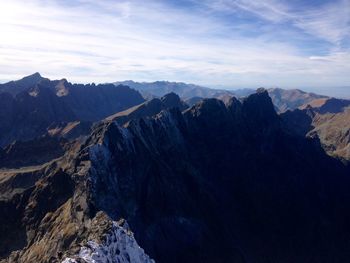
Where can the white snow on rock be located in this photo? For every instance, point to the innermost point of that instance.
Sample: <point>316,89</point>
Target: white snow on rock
<point>120,246</point>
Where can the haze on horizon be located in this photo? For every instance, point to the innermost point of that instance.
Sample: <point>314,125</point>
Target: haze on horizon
<point>226,43</point>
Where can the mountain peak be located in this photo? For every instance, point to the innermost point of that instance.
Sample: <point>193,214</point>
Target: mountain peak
<point>35,77</point>
<point>172,100</point>
<point>36,74</point>
<point>208,108</point>
<point>261,90</point>
<point>18,86</point>
<point>258,107</point>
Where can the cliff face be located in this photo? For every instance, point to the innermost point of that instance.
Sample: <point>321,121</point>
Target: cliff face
<point>214,183</point>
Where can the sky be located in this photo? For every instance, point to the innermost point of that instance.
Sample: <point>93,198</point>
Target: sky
<point>216,43</point>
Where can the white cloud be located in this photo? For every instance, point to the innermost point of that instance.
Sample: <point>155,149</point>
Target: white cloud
<point>330,21</point>
<point>105,41</point>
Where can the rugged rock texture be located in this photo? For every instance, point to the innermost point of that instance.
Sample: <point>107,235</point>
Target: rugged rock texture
<point>34,104</point>
<point>215,183</point>
<point>222,184</point>
<point>118,246</point>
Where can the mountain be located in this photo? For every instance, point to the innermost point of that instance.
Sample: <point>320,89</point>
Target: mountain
<point>149,108</point>
<point>311,115</point>
<point>214,183</point>
<point>33,104</point>
<point>17,86</point>
<point>332,105</point>
<point>329,123</point>
<point>282,99</point>
<point>293,98</point>
<point>185,91</point>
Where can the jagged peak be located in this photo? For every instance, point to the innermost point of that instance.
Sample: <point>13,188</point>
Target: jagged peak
<point>259,109</point>
<point>172,100</point>
<point>34,75</point>
<point>209,104</point>
<point>211,108</point>
<point>233,101</point>
<point>171,96</point>
<point>31,79</point>
<point>259,100</point>
<point>261,90</point>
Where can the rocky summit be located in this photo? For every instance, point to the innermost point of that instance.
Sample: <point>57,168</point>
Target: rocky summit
<point>211,183</point>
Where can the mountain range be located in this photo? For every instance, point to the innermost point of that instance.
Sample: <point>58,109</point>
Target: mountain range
<point>114,178</point>
<point>185,91</point>
<point>34,105</point>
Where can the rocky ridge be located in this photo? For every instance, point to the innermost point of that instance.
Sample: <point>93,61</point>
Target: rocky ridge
<point>214,183</point>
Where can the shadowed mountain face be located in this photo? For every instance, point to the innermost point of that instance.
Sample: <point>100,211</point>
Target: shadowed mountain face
<point>214,183</point>
<point>312,115</point>
<point>330,123</point>
<point>31,105</point>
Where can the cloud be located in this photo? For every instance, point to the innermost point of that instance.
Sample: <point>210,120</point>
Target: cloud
<point>330,21</point>
<point>104,41</point>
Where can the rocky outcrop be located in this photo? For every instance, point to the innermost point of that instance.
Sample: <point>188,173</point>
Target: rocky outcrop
<point>118,246</point>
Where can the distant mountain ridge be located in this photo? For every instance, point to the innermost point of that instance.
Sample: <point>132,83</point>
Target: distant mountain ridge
<point>293,98</point>
<point>33,104</point>
<point>185,91</point>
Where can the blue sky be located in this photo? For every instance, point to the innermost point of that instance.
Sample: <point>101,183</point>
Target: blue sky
<point>217,43</point>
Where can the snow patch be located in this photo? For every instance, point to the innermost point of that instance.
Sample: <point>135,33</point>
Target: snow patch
<point>119,246</point>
